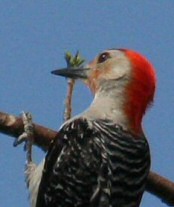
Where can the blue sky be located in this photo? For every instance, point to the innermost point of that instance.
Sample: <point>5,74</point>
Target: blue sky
<point>34,35</point>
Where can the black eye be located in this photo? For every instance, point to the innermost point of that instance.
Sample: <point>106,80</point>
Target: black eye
<point>103,57</point>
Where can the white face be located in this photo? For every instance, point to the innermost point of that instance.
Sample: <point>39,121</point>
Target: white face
<point>109,65</point>
<point>119,64</point>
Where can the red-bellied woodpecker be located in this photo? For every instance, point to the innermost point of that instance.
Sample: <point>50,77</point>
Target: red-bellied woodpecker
<point>101,157</point>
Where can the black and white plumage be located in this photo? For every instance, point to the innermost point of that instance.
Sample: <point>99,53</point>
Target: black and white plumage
<point>101,157</point>
<point>94,163</point>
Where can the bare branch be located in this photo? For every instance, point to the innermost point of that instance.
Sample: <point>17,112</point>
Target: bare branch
<point>13,126</point>
<point>161,187</point>
<point>68,102</point>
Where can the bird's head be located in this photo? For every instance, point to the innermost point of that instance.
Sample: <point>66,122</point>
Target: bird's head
<point>123,70</point>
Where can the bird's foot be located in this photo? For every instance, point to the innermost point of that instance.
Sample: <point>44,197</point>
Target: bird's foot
<point>27,135</point>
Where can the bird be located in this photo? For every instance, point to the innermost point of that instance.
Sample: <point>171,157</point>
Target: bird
<point>101,157</point>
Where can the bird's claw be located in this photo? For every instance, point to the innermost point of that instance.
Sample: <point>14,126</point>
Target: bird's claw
<point>27,135</point>
<point>28,129</point>
<point>22,138</point>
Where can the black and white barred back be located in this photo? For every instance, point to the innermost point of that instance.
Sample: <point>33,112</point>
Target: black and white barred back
<point>94,164</point>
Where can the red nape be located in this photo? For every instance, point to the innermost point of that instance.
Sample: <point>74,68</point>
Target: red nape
<point>141,88</point>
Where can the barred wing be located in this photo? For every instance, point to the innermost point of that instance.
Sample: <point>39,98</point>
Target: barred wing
<point>94,163</point>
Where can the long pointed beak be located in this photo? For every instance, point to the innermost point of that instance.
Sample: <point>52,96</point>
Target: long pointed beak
<point>74,73</point>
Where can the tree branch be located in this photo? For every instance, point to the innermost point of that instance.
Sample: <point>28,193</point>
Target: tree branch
<point>13,126</point>
<point>161,187</point>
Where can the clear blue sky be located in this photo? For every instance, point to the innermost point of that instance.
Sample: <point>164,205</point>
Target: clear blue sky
<point>34,35</point>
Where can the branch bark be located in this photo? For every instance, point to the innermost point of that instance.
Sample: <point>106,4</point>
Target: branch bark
<point>13,126</point>
<point>161,187</point>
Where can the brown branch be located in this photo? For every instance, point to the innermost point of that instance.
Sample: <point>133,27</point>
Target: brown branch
<point>13,126</point>
<point>161,187</point>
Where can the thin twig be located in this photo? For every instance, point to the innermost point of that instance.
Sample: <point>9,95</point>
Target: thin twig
<point>72,62</point>
<point>68,102</point>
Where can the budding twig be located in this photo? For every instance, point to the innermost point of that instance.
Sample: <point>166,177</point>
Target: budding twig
<point>72,62</point>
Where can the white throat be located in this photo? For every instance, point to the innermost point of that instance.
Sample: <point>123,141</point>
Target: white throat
<point>108,104</point>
